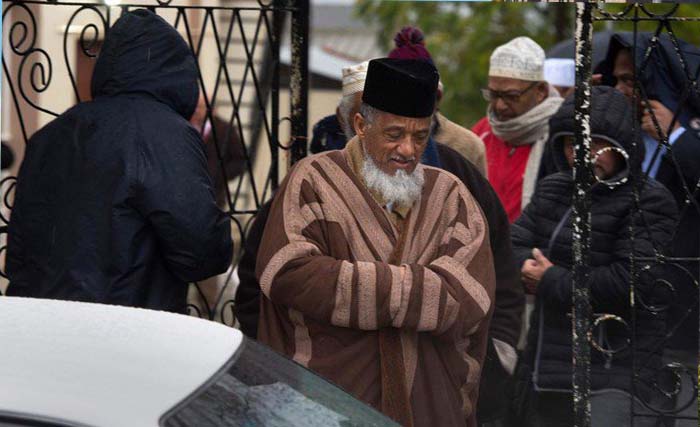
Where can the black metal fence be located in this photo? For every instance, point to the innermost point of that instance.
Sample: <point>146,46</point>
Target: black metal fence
<point>49,49</point>
<point>670,394</point>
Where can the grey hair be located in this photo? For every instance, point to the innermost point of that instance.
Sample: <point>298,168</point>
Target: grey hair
<point>345,105</point>
<point>368,112</point>
<point>347,123</point>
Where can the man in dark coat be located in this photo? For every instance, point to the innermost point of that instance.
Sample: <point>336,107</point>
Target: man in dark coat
<point>113,200</point>
<point>542,240</point>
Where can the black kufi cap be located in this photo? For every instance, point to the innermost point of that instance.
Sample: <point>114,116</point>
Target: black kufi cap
<point>405,87</point>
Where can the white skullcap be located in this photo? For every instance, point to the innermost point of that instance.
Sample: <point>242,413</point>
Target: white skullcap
<point>520,58</point>
<point>354,78</point>
<point>560,72</point>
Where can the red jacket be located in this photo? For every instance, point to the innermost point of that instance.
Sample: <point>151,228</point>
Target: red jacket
<point>506,168</point>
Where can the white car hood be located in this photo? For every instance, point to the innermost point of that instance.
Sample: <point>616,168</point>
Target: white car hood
<point>104,365</point>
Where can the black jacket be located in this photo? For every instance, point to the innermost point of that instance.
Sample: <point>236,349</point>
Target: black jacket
<point>613,210</point>
<point>114,204</point>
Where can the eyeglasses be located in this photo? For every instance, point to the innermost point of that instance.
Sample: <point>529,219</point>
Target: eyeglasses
<point>509,97</point>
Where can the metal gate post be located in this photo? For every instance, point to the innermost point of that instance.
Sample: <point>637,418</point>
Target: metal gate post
<point>299,79</point>
<point>582,219</point>
<point>278,19</point>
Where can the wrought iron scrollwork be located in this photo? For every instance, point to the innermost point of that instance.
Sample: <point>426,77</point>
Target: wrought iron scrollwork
<point>7,187</point>
<point>666,385</point>
<point>665,389</point>
<point>599,338</point>
<point>87,45</point>
<point>672,9</point>
<point>21,38</point>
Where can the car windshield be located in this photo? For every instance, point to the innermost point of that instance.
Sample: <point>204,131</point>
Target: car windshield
<point>263,388</point>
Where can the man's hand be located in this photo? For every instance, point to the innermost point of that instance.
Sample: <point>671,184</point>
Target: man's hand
<point>663,115</point>
<point>533,270</point>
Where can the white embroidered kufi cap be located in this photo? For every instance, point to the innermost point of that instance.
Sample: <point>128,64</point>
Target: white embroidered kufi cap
<point>354,78</point>
<point>520,58</point>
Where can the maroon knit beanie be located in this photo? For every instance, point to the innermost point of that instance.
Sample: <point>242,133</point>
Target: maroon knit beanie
<point>410,44</point>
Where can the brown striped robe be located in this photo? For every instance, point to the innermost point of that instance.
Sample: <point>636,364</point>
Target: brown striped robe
<point>329,287</point>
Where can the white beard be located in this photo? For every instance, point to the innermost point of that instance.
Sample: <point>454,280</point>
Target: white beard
<point>402,189</point>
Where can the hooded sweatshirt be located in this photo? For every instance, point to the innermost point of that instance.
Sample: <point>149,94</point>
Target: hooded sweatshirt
<point>114,204</point>
<point>546,223</point>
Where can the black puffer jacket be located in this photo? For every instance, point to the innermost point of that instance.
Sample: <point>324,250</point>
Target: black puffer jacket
<point>613,211</point>
<point>114,204</point>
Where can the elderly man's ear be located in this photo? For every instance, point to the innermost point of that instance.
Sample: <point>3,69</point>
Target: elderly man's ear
<point>359,125</point>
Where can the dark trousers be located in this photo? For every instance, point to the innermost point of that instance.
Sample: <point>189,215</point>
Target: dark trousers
<point>495,384</point>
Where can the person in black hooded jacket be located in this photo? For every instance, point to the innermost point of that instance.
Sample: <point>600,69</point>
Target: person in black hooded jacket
<point>542,241</point>
<point>113,203</point>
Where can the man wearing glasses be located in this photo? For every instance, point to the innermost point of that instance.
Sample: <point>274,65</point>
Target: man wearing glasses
<point>516,126</point>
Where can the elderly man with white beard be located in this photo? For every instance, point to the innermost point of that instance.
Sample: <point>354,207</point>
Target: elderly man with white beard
<point>376,271</point>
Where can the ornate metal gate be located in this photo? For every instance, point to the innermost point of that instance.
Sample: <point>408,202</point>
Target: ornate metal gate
<point>49,48</point>
<point>672,391</point>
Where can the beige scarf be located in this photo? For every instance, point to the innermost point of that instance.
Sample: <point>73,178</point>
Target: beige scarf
<point>529,127</point>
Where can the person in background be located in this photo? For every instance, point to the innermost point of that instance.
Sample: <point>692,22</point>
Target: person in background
<point>561,74</point>
<point>542,239</point>
<point>113,202</point>
<point>516,128</point>
<point>334,131</point>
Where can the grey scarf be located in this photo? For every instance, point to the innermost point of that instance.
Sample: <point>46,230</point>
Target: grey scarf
<point>530,127</point>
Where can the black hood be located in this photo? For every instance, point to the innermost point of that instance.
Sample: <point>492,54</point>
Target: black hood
<point>612,119</point>
<point>663,78</point>
<point>145,55</point>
